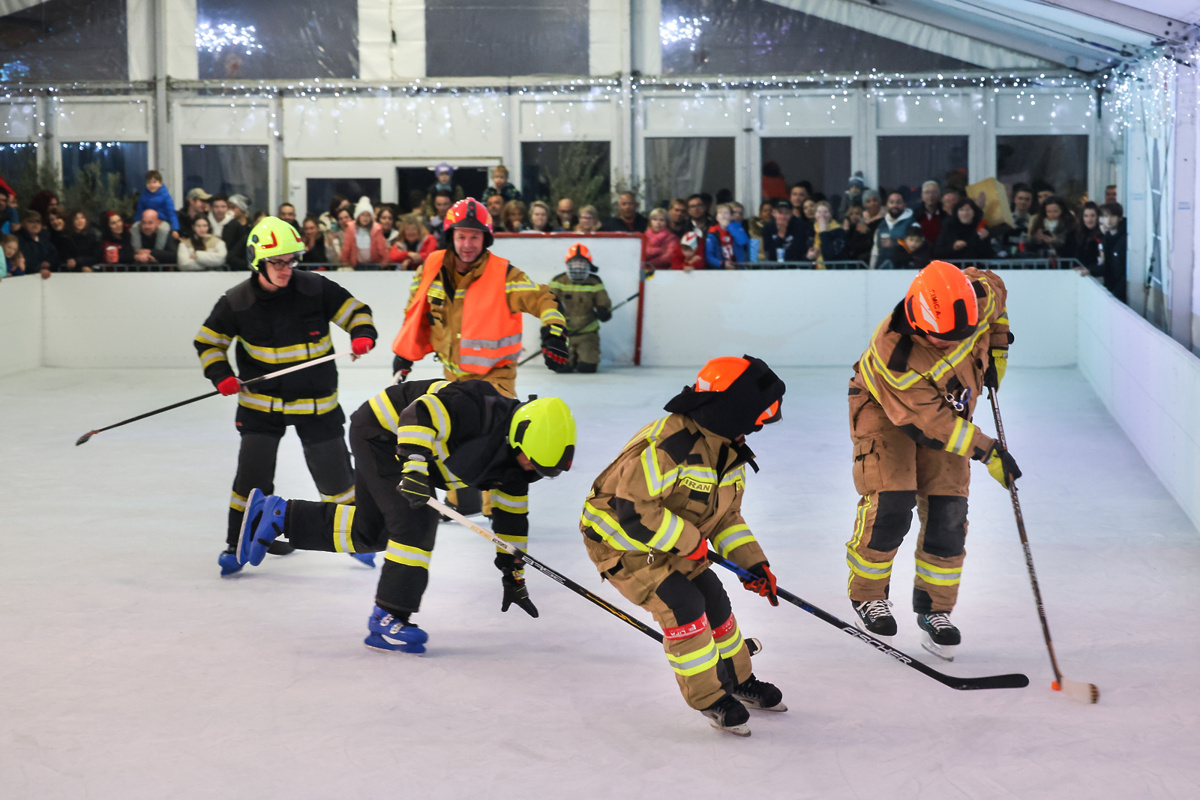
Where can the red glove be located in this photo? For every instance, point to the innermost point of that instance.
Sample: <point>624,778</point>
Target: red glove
<point>763,583</point>
<point>700,552</point>
<point>361,345</point>
<point>230,385</point>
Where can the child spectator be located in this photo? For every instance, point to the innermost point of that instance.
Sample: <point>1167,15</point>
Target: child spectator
<point>828,239</point>
<point>914,252</point>
<point>35,245</point>
<point>10,221</point>
<point>201,250</point>
<point>363,246</point>
<point>727,243</point>
<point>443,182</point>
<point>963,237</point>
<point>589,220</point>
<point>16,265</point>
<point>853,194</point>
<point>661,249</point>
<point>539,218</point>
<point>500,185</point>
<point>413,245</point>
<point>692,257</point>
<point>158,197</point>
<point>114,247</point>
<point>1112,262</point>
<point>12,249</point>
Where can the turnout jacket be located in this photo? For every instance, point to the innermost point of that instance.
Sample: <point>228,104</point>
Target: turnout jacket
<point>930,394</point>
<point>674,484</point>
<point>277,330</point>
<point>579,301</point>
<point>461,429</point>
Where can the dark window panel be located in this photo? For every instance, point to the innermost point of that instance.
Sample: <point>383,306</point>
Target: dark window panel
<point>690,165</point>
<point>228,169</point>
<point>277,39</point>
<point>65,40</point>
<point>472,38</point>
<point>128,160</point>
<point>905,162</point>
<point>823,161</point>
<point>579,170</point>
<point>1059,160</point>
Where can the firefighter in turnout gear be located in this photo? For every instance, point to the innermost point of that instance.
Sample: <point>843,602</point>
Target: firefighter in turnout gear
<point>585,303</point>
<point>912,397</point>
<point>651,515</point>
<point>467,305</point>
<point>407,441</point>
<point>280,318</point>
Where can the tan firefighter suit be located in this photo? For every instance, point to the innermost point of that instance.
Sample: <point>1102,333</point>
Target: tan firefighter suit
<point>674,484</point>
<point>910,420</point>
<point>446,297</point>
<point>580,303</point>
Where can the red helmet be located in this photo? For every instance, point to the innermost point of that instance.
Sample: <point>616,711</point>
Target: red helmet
<point>469,213</point>
<point>941,302</point>
<point>578,250</point>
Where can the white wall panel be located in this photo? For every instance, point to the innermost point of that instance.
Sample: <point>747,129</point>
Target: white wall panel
<point>18,122</point>
<point>124,119</point>
<point>608,30</point>
<point>567,119</point>
<point>900,113</point>
<point>21,324</point>
<point>808,114</point>
<point>690,114</point>
<point>201,122</point>
<point>1064,111</point>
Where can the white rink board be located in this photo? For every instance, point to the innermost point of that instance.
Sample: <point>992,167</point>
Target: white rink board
<point>20,324</point>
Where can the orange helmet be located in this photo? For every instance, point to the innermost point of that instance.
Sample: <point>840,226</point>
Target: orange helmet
<point>469,213</point>
<point>720,373</point>
<point>578,250</point>
<point>941,302</point>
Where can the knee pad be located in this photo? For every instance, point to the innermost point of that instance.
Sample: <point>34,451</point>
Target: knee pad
<point>716,601</point>
<point>946,526</point>
<point>893,516</point>
<point>683,598</point>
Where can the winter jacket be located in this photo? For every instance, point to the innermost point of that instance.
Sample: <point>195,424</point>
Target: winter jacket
<point>350,253</point>
<point>881,257</point>
<point>833,243</point>
<point>401,248</point>
<point>211,257</point>
<point>792,245</point>
<point>235,236</point>
<point>729,244</point>
<point>113,249</point>
<point>161,202</point>
<point>37,251</point>
<point>585,305</point>
<point>902,258</point>
<point>618,225</point>
<point>955,231</point>
<point>931,224</point>
<point>661,250</point>
<point>161,246</point>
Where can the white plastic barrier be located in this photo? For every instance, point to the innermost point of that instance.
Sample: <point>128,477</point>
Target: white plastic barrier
<point>800,318</point>
<point>1151,386</point>
<point>20,324</point>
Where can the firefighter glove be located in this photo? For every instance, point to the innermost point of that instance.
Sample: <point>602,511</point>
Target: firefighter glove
<point>414,483</point>
<point>997,363</point>
<point>400,368</point>
<point>603,313</point>
<point>512,578</point>
<point>1001,465</point>
<point>554,347</point>
<point>361,345</point>
<point>763,582</point>
<point>699,553</point>
<point>229,386</point>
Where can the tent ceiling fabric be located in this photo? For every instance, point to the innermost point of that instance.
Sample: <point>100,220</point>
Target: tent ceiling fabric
<point>13,6</point>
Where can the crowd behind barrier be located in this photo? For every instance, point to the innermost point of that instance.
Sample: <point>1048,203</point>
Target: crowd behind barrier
<point>1025,227</point>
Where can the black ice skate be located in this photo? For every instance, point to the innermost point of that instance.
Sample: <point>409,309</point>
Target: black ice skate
<point>875,617</point>
<point>727,714</point>
<point>938,634</point>
<point>754,693</point>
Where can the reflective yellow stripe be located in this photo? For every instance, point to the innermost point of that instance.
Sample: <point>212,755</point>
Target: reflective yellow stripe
<point>269,404</point>
<point>209,336</point>
<point>385,412</point>
<point>961,437</point>
<point>347,310</point>
<point>408,556</point>
<point>512,503</point>
<point>343,523</point>
<point>519,541</point>
<point>211,356</point>
<point>577,287</point>
<point>694,663</point>
<point>938,576</point>
<point>871,570</point>
<point>237,502</point>
<point>656,480</point>
<point>523,285</point>
<point>553,317</point>
<point>346,497</point>
<point>290,353</point>
<point>729,644</point>
<point>668,532</point>
<point>360,319</point>
<point>732,538</point>
<point>607,529</point>
<point>735,477</point>
<point>439,415</point>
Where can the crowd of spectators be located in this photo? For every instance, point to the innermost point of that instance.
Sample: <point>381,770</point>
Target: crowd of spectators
<point>861,227</point>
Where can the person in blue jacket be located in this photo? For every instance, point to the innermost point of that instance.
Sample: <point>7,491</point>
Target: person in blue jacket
<point>157,197</point>
<point>727,241</point>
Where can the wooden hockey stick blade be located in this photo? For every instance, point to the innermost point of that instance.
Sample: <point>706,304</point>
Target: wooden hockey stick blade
<point>1086,693</point>
<point>85,437</point>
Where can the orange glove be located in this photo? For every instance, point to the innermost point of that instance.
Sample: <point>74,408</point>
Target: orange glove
<point>700,552</point>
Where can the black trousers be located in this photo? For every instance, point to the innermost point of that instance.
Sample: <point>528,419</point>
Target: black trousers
<point>323,438</point>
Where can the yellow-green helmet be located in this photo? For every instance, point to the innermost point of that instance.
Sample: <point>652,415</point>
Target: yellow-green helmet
<point>544,430</point>
<point>272,237</point>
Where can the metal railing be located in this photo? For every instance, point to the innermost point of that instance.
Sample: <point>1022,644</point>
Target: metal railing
<point>980,263</point>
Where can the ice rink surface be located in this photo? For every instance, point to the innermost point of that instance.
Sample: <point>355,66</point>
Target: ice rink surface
<point>129,669</point>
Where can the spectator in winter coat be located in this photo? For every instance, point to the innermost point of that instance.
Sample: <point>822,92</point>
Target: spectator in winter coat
<point>914,252</point>
<point>1051,232</point>
<point>495,207</point>
<point>678,221</point>
<point>237,232</point>
<point>156,196</point>
<point>661,248</point>
<point>698,218</point>
<point>10,221</point>
<point>727,243</point>
<point>35,245</point>
<point>754,227</point>
<point>287,213</point>
<point>220,215</point>
<point>784,237</point>
<point>113,247</point>
<point>963,236</point>
<point>329,219</point>
<point>539,218</point>
<point>386,217</point>
<point>201,250</point>
<point>514,217</point>
<point>195,205</point>
<point>828,239</point>
<point>564,214</point>
<point>501,186</point>
<point>78,245</point>
<point>442,201</point>
<point>589,220</point>
<point>151,239</point>
<point>42,202</point>
<point>692,255</point>
<point>1088,238</point>
<point>10,245</point>
<point>852,196</point>
<point>335,237</point>
<point>314,241</point>
<point>443,182</point>
<point>1112,264</point>
<point>929,215</point>
<point>363,246</point>
<point>797,195</point>
<point>890,231</point>
<point>413,245</point>
<point>859,236</point>
<point>627,220</point>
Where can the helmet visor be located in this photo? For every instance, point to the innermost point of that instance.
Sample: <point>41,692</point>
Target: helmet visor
<point>774,413</point>
<point>554,471</point>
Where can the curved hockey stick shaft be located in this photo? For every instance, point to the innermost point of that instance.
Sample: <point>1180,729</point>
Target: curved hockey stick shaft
<point>1084,692</point>
<point>545,570</point>
<point>537,353</point>
<point>268,376</point>
<point>1012,681</point>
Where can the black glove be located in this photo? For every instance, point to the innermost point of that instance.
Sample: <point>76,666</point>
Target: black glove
<point>1001,465</point>
<point>603,314</point>
<point>763,582</point>
<point>512,577</point>
<point>554,347</point>
<point>997,363</point>
<point>414,483</point>
<point>401,366</point>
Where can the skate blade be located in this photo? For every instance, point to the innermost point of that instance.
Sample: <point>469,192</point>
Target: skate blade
<point>736,730</point>
<point>247,529</point>
<point>408,649</point>
<point>942,651</point>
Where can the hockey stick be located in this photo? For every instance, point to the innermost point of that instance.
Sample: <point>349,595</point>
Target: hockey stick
<point>268,376</point>
<point>1012,681</point>
<point>537,353</point>
<point>1083,692</point>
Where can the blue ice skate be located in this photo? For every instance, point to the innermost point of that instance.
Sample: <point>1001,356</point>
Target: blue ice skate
<point>268,526</point>
<point>366,558</point>
<point>392,634</point>
<point>228,561</point>
<point>254,507</point>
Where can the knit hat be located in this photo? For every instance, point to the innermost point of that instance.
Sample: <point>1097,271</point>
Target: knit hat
<point>241,201</point>
<point>857,180</point>
<point>443,168</point>
<point>364,206</point>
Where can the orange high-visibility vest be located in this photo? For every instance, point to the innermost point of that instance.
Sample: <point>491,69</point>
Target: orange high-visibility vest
<point>491,332</point>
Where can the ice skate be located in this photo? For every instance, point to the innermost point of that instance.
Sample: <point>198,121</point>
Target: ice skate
<point>875,617</point>
<point>394,634</point>
<point>229,563</point>
<point>753,693</point>
<point>938,634</point>
<point>254,507</point>
<point>728,714</point>
<point>268,526</point>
